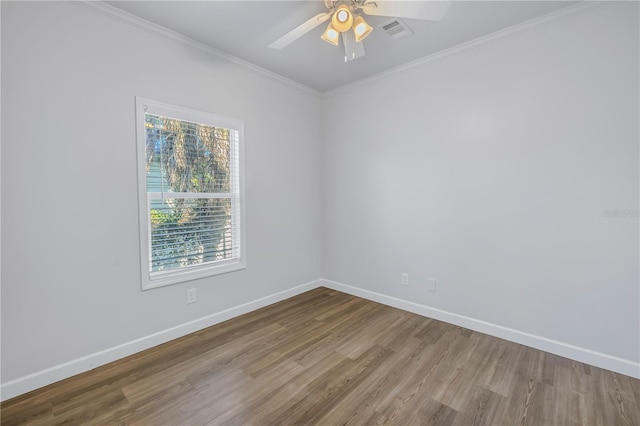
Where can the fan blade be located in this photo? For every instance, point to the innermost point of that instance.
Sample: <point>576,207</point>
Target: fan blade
<point>430,10</point>
<point>300,30</point>
<point>352,49</point>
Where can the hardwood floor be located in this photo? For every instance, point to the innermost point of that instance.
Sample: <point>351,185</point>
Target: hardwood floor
<point>325,357</point>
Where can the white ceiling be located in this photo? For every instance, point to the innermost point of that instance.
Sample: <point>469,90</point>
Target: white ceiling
<point>245,28</point>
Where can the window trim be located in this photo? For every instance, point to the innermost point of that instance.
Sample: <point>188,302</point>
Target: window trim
<point>150,280</point>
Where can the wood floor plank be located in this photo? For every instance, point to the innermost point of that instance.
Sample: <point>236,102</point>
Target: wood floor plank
<point>85,407</point>
<point>339,329</point>
<point>238,401</point>
<point>327,390</point>
<point>500,375</point>
<point>419,385</point>
<point>25,412</point>
<point>402,363</point>
<point>433,413</point>
<point>481,406</point>
<point>534,364</point>
<point>325,357</point>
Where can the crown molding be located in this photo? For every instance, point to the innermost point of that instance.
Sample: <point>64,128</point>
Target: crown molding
<point>121,15</point>
<point>551,16</point>
<point>105,9</point>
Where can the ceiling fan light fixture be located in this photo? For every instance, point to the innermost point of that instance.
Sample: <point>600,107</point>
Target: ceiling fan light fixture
<point>331,35</point>
<point>342,19</point>
<point>361,29</point>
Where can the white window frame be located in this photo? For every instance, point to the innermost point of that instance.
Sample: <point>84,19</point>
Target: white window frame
<point>156,279</point>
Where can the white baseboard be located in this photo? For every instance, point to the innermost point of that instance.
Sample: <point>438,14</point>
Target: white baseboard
<point>59,372</point>
<point>54,374</point>
<point>587,356</point>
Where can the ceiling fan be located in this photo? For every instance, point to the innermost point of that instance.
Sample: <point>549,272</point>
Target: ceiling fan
<point>346,15</point>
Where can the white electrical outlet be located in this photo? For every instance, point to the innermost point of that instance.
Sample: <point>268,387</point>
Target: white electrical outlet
<point>191,295</point>
<point>431,285</point>
<point>404,279</point>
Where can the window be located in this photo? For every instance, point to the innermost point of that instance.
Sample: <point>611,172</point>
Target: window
<point>191,193</point>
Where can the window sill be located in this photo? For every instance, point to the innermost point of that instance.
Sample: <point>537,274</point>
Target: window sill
<point>155,280</point>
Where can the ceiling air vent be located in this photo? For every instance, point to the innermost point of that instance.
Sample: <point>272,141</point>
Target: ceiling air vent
<point>396,28</point>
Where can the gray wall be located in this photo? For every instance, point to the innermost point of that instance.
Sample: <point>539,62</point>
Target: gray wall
<point>491,170</point>
<point>70,265</point>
